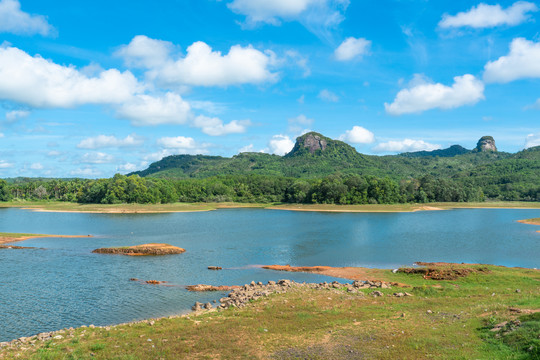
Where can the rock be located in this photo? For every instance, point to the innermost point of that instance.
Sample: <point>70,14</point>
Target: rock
<point>377,293</point>
<point>203,287</point>
<point>395,271</point>
<point>214,268</point>
<point>196,306</point>
<point>144,249</point>
<point>154,282</point>
<point>58,337</point>
<point>399,294</point>
<point>208,306</point>
<point>486,144</point>
<point>429,312</point>
<point>408,294</point>
<point>518,291</point>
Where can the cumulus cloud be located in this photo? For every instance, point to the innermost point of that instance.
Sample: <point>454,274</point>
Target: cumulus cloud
<point>532,140</point>
<point>1,135</point>
<point>327,95</point>
<point>145,52</point>
<point>300,123</point>
<point>358,135</point>
<point>352,48</point>
<point>96,158</point>
<point>179,145</point>
<point>280,145</point>
<point>16,21</point>
<point>5,165</point>
<point>86,172</point>
<point>201,66</point>
<point>406,145</point>
<point>316,15</point>
<point>215,126</point>
<point>54,153</point>
<point>127,167</point>
<point>423,95</point>
<point>36,166</point>
<point>151,110</point>
<point>247,148</point>
<point>488,16</point>
<point>40,83</point>
<point>105,141</point>
<point>523,61</point>
<point>16,114</point>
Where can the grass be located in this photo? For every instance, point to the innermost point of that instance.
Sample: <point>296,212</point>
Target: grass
<point>180,207</point>
<point>322,324</point>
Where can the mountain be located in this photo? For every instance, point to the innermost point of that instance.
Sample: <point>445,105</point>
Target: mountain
<point>315,156</point>
<point>452,151</point>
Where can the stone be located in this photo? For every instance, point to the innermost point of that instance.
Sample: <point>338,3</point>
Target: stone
<point>377,293</point>
<point>207,306</point>
<point>214,268</point>
<point>486,144</point>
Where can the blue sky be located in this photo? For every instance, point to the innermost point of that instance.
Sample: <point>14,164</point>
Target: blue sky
<point>89,89</point>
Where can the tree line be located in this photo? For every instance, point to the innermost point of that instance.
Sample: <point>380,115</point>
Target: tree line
<point>333,189</point>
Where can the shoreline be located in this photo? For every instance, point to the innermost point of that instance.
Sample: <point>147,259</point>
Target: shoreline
<point>535,221</point>
<point>6,238</point>
<point>200,207</point>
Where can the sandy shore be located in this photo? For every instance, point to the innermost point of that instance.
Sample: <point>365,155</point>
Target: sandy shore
<point>535,221</point>
<point>4,239</point>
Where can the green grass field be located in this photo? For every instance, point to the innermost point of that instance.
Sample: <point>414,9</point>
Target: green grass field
<point>449,319</point>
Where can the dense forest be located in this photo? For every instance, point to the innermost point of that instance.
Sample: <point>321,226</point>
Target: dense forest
<point>317,170</point>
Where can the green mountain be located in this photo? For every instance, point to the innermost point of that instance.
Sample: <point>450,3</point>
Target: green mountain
<point>316,156</point>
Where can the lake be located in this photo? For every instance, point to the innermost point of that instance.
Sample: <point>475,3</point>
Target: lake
<point>62,284</point>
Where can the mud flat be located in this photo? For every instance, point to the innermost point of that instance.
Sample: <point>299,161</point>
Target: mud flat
<point>142,250</point>
<point>13,237</point>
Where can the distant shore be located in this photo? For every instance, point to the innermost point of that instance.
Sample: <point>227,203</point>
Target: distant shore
<point>14,237</point>
<point>196,207</point>
<point>535,221</point>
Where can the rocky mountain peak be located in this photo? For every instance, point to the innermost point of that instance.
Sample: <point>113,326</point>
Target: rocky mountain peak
<point>485,144</point>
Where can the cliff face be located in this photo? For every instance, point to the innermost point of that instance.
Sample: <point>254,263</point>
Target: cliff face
<point>312,142</point>
<point>485,144</point>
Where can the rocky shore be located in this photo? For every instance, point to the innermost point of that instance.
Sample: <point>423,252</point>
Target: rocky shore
<point>239,297</point>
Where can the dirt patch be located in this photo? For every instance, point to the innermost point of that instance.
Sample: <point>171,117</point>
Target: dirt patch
<point>443,273</point>
<point>142,250</point>
<point>203,287</point>
<point>351,273</point>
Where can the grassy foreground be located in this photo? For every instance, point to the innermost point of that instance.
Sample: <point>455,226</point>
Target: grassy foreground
<point>442,320</point>
<point>187,207</point>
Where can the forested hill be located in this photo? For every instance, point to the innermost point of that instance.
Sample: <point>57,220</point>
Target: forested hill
<point>316,156</point>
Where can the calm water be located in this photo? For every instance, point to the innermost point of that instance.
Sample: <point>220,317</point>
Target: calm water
<point>63,284</point>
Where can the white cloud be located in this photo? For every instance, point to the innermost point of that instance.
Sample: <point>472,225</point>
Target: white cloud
<point>36,166</point>
<point>358,135</point>
<point>327,95</point>
<point>1,135</point>
<point>422,96</point>
<point>215,126</point>
<point>301,99</point>
<point>318,16</point>
<point>487,16</point>
<point>247,148</point>
<point>86,172</point>
<point>16,114</point>
<point>299,123</point>
<point>352,48</point>
<point>127,167</point>
<point>16,21</point>
<point>41,83</point>
<point>201,66</point>
<point>5,165</point>
<point>532,140</point>
<point>280,145</point>
<point>300,61</point>
<point>145,52</point>
<point>179,144</point>
<point>54,153</point>
<point>523,61</point>
<point>96,158</point>
<point>406,145</point>
<point>104,141</point>
<point>150,110</point>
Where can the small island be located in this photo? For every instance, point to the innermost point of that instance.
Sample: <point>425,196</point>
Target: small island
<point>142,250</point>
